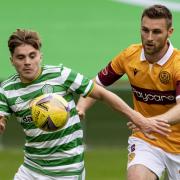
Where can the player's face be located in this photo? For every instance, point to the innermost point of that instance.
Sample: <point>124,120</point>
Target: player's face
<point>154,35</point>
<point>26,60</point>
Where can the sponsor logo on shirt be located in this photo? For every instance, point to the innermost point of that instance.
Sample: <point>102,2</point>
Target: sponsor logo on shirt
<point>154,96</point>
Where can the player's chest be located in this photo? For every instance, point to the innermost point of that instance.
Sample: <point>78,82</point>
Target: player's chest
<point>150,76</point>
<point>20,100</point>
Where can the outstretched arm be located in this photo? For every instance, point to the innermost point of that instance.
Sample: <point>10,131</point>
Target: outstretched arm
<point>172,116</point>
<point>83,105</point>
<point>119,105</point>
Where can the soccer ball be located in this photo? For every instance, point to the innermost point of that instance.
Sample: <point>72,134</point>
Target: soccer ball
<point>49,112</point>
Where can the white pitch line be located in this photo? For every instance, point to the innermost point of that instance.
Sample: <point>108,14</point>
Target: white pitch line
<point>174,6</point>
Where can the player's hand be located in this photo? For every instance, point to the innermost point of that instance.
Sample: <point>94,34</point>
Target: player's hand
<point>81,113</point>
<point>2,125</point>
<point>134,128</point>
<point>152,125</point>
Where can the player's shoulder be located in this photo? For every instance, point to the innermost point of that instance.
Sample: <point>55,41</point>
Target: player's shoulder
<point>176,56</point>
<point>54,68</point>
<point>48,69</point>
<point>10,80</point>
<point>132,49</point>
<point>177,52</point>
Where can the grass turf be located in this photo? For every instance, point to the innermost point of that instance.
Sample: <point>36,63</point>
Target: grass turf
<point>101,163</point>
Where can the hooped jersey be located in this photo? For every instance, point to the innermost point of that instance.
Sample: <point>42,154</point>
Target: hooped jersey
<point>58,153</point>
<point>155,87</point>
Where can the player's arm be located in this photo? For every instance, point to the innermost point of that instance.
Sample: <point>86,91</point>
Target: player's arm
<point>84,104</point>
<point>119,105</point>
<point>2,124</point>
<point>172,116</point>
<point>105,77</point>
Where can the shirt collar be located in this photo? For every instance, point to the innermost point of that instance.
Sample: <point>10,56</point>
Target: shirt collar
<point>164,59</point>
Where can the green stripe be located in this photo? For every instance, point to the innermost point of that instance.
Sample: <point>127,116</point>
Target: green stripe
<point>69,97</point>
<point>92,86</point>
<point>2,97</point>
<point>59,162</point>
<point>26,112</point>
<point>59,88</point>
<point>42,78</point>
<point>61,148</point>
<point>28,126</point>
<point>12,78</point>
<point>5,108</point>
<point>26,97</point>
<point>54,135</point>
<point>70,79</point>
<point>83,86</point>
<point>58,173</point>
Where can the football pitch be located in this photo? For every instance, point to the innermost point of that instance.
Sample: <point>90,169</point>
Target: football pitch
<point>101,163</point>
<point>83,35</point>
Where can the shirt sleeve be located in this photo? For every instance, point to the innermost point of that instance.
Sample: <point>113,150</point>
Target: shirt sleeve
<point>77,82</point>
<point>4,108</point>
<point>107,76</point>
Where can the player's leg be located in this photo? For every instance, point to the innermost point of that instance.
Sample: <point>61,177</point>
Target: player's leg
<point>140,172</point>
<point>173,166</point>
<point>145,162</point>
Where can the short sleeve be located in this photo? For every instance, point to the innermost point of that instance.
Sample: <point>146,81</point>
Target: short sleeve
<point>77,82</point>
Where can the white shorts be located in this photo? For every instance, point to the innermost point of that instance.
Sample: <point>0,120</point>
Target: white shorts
<point>154,158</point>
<point>27,174</point>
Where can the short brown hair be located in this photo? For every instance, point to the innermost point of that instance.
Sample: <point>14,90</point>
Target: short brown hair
<point>23,36</point>
<point>158,12</point>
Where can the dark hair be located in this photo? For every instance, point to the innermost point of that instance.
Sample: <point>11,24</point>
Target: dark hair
<point>158,12</point>
<point>23,36</point>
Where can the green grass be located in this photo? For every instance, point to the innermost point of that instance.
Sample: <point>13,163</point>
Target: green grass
<point>101,163</point>
<point>106,164</point>
<point>83,34</point>
<point>10,161</point>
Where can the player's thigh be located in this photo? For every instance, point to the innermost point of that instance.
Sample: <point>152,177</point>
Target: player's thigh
<point>173,166</point>
<point>140,172</point>
<point>144,159</point>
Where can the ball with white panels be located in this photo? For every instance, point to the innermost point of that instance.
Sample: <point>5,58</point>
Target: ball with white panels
<point>49,112</point>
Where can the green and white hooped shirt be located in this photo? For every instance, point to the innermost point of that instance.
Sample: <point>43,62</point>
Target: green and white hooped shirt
<point>58,153</point>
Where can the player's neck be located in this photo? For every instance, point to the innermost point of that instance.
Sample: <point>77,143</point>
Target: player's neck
<point>157,56</point>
